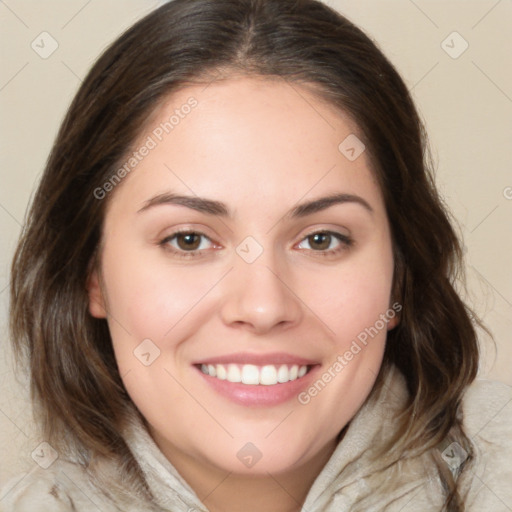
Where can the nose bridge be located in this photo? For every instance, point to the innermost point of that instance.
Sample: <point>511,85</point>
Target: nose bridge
<point>257,294</point>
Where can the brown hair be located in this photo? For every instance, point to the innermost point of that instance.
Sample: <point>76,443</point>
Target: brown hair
<point>74,378</point>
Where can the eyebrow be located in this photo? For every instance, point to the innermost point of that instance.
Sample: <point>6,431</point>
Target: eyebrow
<point>220,209</point>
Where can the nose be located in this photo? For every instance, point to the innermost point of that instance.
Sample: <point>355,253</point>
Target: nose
<point>259,296</point>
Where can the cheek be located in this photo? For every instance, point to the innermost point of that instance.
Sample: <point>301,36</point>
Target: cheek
<point>351,298</point>
<point>150,302</point>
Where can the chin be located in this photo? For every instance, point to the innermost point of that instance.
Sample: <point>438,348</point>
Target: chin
<point>259,455</point>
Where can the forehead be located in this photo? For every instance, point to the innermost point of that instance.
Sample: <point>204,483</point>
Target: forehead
<point>244,139</point>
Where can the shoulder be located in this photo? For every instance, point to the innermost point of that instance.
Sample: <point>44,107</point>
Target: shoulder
<point>487,416</point>
<point>62,487</point>
<point>67,486</point>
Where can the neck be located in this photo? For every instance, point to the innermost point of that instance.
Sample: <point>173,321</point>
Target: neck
<point>220,490</point>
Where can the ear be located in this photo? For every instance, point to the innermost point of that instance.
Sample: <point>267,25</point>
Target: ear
<point>393,322</point>
<point>95,293</point>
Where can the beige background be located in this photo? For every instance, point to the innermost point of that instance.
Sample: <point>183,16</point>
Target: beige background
<point>466,103</point>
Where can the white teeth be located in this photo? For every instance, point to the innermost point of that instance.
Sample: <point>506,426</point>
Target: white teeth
<point>221,372</point>
<point>268,375</point>
<point>252,375</point>
<point>283,375</point>
<point>234,374</point>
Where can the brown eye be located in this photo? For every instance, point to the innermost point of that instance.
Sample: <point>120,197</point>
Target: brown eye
<point>188,241</point>
<point>187,244</point>
<point>326,243</point>
<point>320,241</point>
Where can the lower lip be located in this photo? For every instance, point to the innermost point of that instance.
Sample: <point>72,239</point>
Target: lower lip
<point>260,395</point>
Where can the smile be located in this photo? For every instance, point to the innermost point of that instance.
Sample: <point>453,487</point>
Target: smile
<point>252,375</point>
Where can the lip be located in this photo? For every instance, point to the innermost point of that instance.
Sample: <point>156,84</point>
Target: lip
<point>275,358</point>
<point>259,395</point>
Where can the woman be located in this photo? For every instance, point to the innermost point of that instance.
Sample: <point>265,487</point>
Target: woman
<point>235,289</point>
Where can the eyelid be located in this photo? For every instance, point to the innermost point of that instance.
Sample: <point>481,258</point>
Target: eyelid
<point>327,230</point>
<point>164,242</point>
<point>345,241</point>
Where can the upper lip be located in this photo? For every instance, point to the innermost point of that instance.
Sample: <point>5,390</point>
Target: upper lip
<point>258,359</point>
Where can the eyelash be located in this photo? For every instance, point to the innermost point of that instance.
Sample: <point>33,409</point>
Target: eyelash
<point>346,243</point>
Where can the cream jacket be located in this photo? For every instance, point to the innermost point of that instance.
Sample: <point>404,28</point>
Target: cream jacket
<point>347,482</point>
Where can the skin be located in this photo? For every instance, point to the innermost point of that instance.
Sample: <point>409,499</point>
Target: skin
<point>261,147</point>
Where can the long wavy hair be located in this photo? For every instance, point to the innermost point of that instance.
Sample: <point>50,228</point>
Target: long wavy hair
<point>76,388</point>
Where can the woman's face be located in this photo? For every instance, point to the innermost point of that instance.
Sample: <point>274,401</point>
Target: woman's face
<point>270,281</point>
